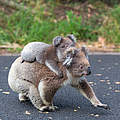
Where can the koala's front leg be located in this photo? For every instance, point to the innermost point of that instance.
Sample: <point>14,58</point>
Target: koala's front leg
<point>87,91</point>
<point>52,65</point>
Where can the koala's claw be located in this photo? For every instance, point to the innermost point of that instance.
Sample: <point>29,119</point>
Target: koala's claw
<point>105,106</point>
<point>22,61</point>
<point>49,108</point>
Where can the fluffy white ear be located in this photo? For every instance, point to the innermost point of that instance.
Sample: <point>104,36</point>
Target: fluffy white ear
<point>57,40</point>
<point>69,54</point>
<point>85,50</point>
<point>72,37</point>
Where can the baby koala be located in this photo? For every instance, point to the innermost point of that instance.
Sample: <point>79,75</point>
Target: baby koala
<point>47,54</point>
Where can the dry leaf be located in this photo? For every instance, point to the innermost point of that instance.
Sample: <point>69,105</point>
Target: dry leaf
<point>27,113</point>
<point>118,83</point>
<point>99,60</point>
<point>49,118</point>
<point>98,74</point>
<point>110,88</point>
<point>108,94</point>
<point>92,114</point>
<point>6,68</point>
<point>109,68</point>
<point>102,68</point>
<point>117,90</point>
<point>101,40</point>
<point>78,107</point>
<point>7,93</point>
<point>97,115</point>
<point>108,83</point>
<point>102,80</point>
<point>1,90</point>
<point>116,64</point>
<point>94,83</point>
<point>75,110</point>
<point>91,82</point>
<point>106,77</point>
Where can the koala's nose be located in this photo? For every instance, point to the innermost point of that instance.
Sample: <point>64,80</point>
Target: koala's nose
<point>89,71</point>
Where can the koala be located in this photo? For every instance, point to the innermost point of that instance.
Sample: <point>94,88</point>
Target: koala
<point>39,84</point>
<point>47,54</point>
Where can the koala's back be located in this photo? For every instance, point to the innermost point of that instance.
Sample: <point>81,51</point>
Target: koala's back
<point>34,50</point>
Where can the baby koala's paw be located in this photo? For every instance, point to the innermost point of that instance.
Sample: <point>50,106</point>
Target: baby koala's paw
<point>60,74</point>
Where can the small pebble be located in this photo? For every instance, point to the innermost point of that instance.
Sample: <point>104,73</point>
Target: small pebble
<point>27,113</point>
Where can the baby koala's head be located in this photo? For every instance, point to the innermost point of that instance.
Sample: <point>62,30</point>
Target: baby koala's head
<point>63,43</point>
<point>76,61</point>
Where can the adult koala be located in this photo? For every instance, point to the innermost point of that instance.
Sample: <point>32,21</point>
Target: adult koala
<point>36,82</point>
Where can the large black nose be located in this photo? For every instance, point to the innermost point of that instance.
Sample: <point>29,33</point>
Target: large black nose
<point>89,71</point>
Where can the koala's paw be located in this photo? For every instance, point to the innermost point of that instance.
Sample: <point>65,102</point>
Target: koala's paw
<point>60,74</point>
<point>48,108</point>
<point>23,97</point>
<point>105,106</point>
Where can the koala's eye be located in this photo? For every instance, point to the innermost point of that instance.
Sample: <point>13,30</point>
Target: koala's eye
<point>81,66</point>
<point>63,46</point>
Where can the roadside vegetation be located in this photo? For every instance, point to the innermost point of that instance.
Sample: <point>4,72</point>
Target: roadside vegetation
<point>41,20</point>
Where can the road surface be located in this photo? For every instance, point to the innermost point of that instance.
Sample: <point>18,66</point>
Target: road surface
<point>105,80</point>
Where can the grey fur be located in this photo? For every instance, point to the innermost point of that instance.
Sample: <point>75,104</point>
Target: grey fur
<point>34,50</point>
<point>47,54</point>
<point>57,40</point>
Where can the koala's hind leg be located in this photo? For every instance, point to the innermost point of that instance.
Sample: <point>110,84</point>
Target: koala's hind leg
<point>87,91</point>
<point>46,93</point>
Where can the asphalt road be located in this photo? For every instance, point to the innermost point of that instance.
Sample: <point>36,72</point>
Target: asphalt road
<point>73,106</point>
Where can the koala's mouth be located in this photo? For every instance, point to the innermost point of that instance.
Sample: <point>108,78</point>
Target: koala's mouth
<point>84,73</point>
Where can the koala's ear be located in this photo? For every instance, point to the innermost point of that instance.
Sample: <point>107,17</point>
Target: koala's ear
<point>72,37</point>
<point>85,50</point>
<point>69,54</point>
<point>57,40</point>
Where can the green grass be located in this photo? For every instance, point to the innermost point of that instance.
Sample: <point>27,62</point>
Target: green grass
<point>34,24</point>
<point>23,27</point>
<point>110,28</point>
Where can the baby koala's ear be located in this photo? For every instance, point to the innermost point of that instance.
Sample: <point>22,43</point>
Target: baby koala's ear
<point>57,40</point>
<point>85,50</point>
<point>72,37</point>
